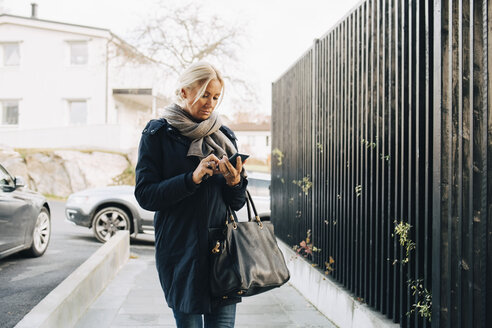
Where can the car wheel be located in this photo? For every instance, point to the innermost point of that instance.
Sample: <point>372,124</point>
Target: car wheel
<point>108,221</point>
<point>41,234</point>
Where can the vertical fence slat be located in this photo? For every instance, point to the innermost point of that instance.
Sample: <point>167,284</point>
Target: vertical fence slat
<point>383,179</point>
<point>486,143</point>
<point>365,227</point>
<point>358,232</point>
<point>352,148</point>
<point>374,159</point>
<point>438,13</point>
<point>427,238</point>
<point>396,214</point>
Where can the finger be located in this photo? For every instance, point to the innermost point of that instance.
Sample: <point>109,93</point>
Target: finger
<point>211,165</point>
<point>229,166</point>
<point>239,164</point>
<point>223,167</point>
<point>207,171</point>
<point>224,159</point>
<point>211,158</point>
<point>208,164</point>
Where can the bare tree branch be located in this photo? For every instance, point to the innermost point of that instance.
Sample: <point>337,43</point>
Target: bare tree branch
<point>175,37</point>
<point>181,35</point>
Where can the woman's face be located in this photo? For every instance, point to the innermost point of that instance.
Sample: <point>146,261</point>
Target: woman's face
<point>203,108</point>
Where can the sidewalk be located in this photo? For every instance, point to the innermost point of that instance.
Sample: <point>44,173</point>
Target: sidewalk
<point>134,299</point>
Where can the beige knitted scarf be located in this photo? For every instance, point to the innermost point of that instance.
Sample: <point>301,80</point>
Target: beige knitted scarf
<point>205,135</point>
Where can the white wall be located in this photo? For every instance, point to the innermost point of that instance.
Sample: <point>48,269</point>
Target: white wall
<point>45,81</point>
<point>254,143</point>
<point>133,117</point>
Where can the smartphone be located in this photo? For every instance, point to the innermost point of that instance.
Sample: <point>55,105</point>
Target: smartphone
<point>233,158</point>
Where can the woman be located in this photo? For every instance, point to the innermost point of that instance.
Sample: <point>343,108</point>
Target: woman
<point>184,175</point>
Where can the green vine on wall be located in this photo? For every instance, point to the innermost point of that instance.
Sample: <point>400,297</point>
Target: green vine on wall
<point>368,143</point>
<point>358,190</point>
<point>402,230</point>
<point>424,299</point>
<point>423,306</point>
<point>305,184</point>
<point>277,153</point>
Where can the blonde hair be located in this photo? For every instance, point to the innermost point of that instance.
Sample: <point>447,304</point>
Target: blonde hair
<point>200,73</point>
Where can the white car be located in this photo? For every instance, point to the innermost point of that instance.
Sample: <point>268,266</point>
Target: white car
<point>107,210</point>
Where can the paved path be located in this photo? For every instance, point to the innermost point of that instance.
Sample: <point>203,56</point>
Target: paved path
<point>135,299</point>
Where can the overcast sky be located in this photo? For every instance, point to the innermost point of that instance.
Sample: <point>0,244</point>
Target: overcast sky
<point>279,31</point>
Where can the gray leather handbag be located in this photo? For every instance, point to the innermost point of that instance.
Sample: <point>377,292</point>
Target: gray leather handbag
<point>245,258</point>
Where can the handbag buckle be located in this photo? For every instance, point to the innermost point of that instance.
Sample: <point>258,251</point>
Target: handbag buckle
<point>259,222</point>
<point>234,224</point>
<point>216,250</point>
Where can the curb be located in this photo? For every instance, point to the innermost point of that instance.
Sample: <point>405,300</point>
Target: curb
<point>65,304</point>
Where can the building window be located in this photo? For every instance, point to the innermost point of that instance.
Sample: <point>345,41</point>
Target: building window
<point>9,112</point>
<point>11,54</point>
<point>79,52</point>
<point>78,112</point>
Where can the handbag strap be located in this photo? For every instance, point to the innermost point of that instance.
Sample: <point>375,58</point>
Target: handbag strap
<point>248,206</point>
<point>232,217</point>
<point>249,200</point>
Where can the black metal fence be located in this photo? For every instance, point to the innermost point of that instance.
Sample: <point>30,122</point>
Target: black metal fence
<point>382,159</point>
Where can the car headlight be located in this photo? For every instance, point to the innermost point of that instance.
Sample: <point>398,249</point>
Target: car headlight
<point>78,199</point>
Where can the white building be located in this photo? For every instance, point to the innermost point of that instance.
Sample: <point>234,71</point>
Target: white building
<point>254,139</point>
<point>71,86</point>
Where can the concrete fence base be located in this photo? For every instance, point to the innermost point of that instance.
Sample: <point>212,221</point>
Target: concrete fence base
<point>334,301</point>
<point>67,303</point>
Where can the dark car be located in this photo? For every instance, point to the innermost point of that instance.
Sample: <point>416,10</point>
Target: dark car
<point>25,221</point>
<point>107,210</point>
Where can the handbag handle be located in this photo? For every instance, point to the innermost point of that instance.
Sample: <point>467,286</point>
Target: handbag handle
<point>232,217</point>
<point>249,201</point>
<point>248,207</point>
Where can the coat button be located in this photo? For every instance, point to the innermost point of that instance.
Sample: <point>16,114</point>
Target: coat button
<point>145,130</point>
<point>152,131</point>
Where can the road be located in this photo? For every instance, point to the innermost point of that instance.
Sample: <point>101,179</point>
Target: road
<point>24,282</point>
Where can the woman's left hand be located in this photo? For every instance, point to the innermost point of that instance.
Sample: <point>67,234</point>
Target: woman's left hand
<point>231,174</point>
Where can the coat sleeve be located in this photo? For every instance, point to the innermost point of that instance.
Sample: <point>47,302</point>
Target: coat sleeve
<point>152,191</point>
<point>235,196</point>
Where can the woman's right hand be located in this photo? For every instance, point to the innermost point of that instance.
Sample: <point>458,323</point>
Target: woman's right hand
<point>208,165</point>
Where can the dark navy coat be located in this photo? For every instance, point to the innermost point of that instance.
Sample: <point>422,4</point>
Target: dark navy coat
<point>184,212</point>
